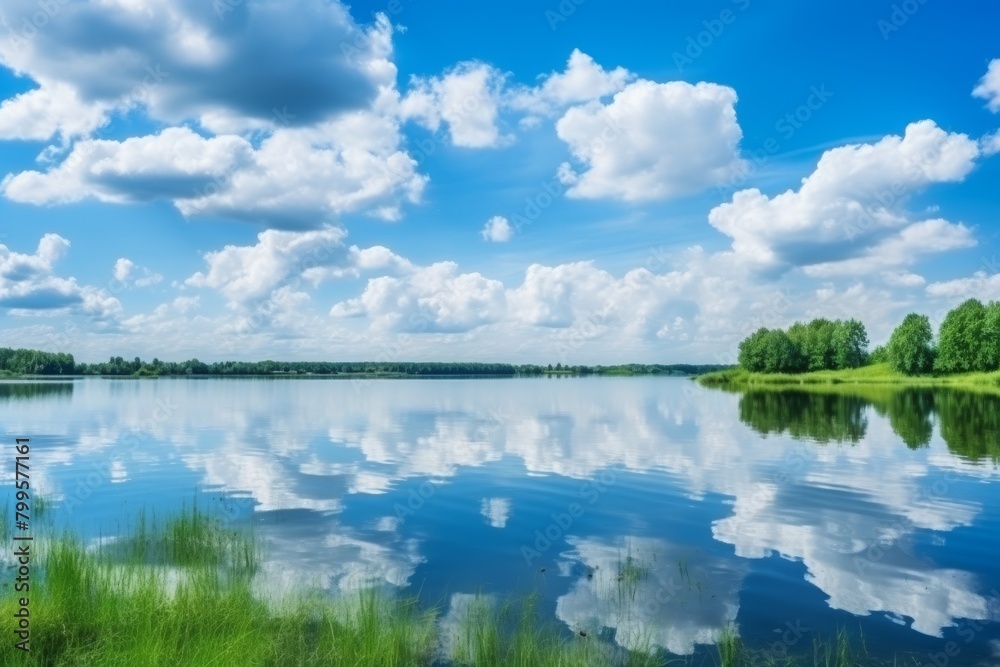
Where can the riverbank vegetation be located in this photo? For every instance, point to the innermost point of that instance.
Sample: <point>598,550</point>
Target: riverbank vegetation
<point>966,351</point>
<point>185,592</point>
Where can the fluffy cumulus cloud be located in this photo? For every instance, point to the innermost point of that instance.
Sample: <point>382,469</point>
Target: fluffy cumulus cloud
<point>28,284</point>
<point>295,179</point>
<point>266,284</point>
<point>850,211</point>
<point>181,60</point>
<point>582,81</point>
<point>989,87</point>
<point>433,299</point>
<point>573,303</point>
<point>652,141</point>
<point>498,230</point>
<point>39,114</point>
<point>466,98</point>
<point>245,274</point>
<point>325,139</point>
<point>990,144</point>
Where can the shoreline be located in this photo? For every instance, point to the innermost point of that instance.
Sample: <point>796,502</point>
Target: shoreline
<point>879,375</point>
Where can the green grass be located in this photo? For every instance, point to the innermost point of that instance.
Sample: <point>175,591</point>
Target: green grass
<point>876,374</point>
<point>512,634</point>
<point>182,591</point>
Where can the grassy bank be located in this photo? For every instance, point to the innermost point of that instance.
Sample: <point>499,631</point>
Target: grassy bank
<point>182,592</point>
<point>876,374</point>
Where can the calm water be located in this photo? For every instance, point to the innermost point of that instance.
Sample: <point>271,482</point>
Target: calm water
<point>788,514</point>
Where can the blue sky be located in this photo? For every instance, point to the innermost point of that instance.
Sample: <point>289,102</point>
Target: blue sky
<point>522,181</point>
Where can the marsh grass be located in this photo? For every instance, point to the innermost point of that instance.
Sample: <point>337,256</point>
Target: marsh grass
<point>632,571</point>
<point>876,374</point>
<point>512,634</point>
<point>181,592</point>
<point>40,506</point>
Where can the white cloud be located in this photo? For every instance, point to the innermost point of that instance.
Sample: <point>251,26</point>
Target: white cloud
<point>989,86</point>
<point>265,282</point>
<point>851,204</point>
<point>295,179</point>
<point>28,283</point>
<point>653,141</point>
<point>498,230</point>
<point>125,272</point>
<point>990,144</point>
<point>582,81</point>
<point>50,110</point>
<point>466,98</point>
<point>250,273</point>
<point>905,248</point>
<point>181,60</point>
<point>435,298</point>
<point>325,138</point>
<point>981,285</point>
<point>902,279</point>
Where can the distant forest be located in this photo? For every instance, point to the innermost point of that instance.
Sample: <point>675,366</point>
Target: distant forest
<point>36,362</point>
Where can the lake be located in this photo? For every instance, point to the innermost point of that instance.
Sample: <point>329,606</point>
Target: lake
<point>789,514</point>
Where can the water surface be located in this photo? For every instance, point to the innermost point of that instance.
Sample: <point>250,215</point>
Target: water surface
<point>789,514</point>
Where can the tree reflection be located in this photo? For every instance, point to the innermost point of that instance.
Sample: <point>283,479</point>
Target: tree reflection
<point>969,422</point>
<point>911,415</point>
<point>24,391</point>
<point>819,417</point>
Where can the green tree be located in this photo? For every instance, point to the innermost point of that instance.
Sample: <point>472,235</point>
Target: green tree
<point>850,344</point>
<point>989,351</point>
<point>911,346</point>
<point>770,351</point>
<point>879,355</point>
<point>819,351</point>
<point>961,339</point>
<point>751,356</point>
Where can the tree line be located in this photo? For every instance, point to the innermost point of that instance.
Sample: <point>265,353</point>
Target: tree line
<point>817,346</point>
<point>967,341</point>
<point>35,362</point>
